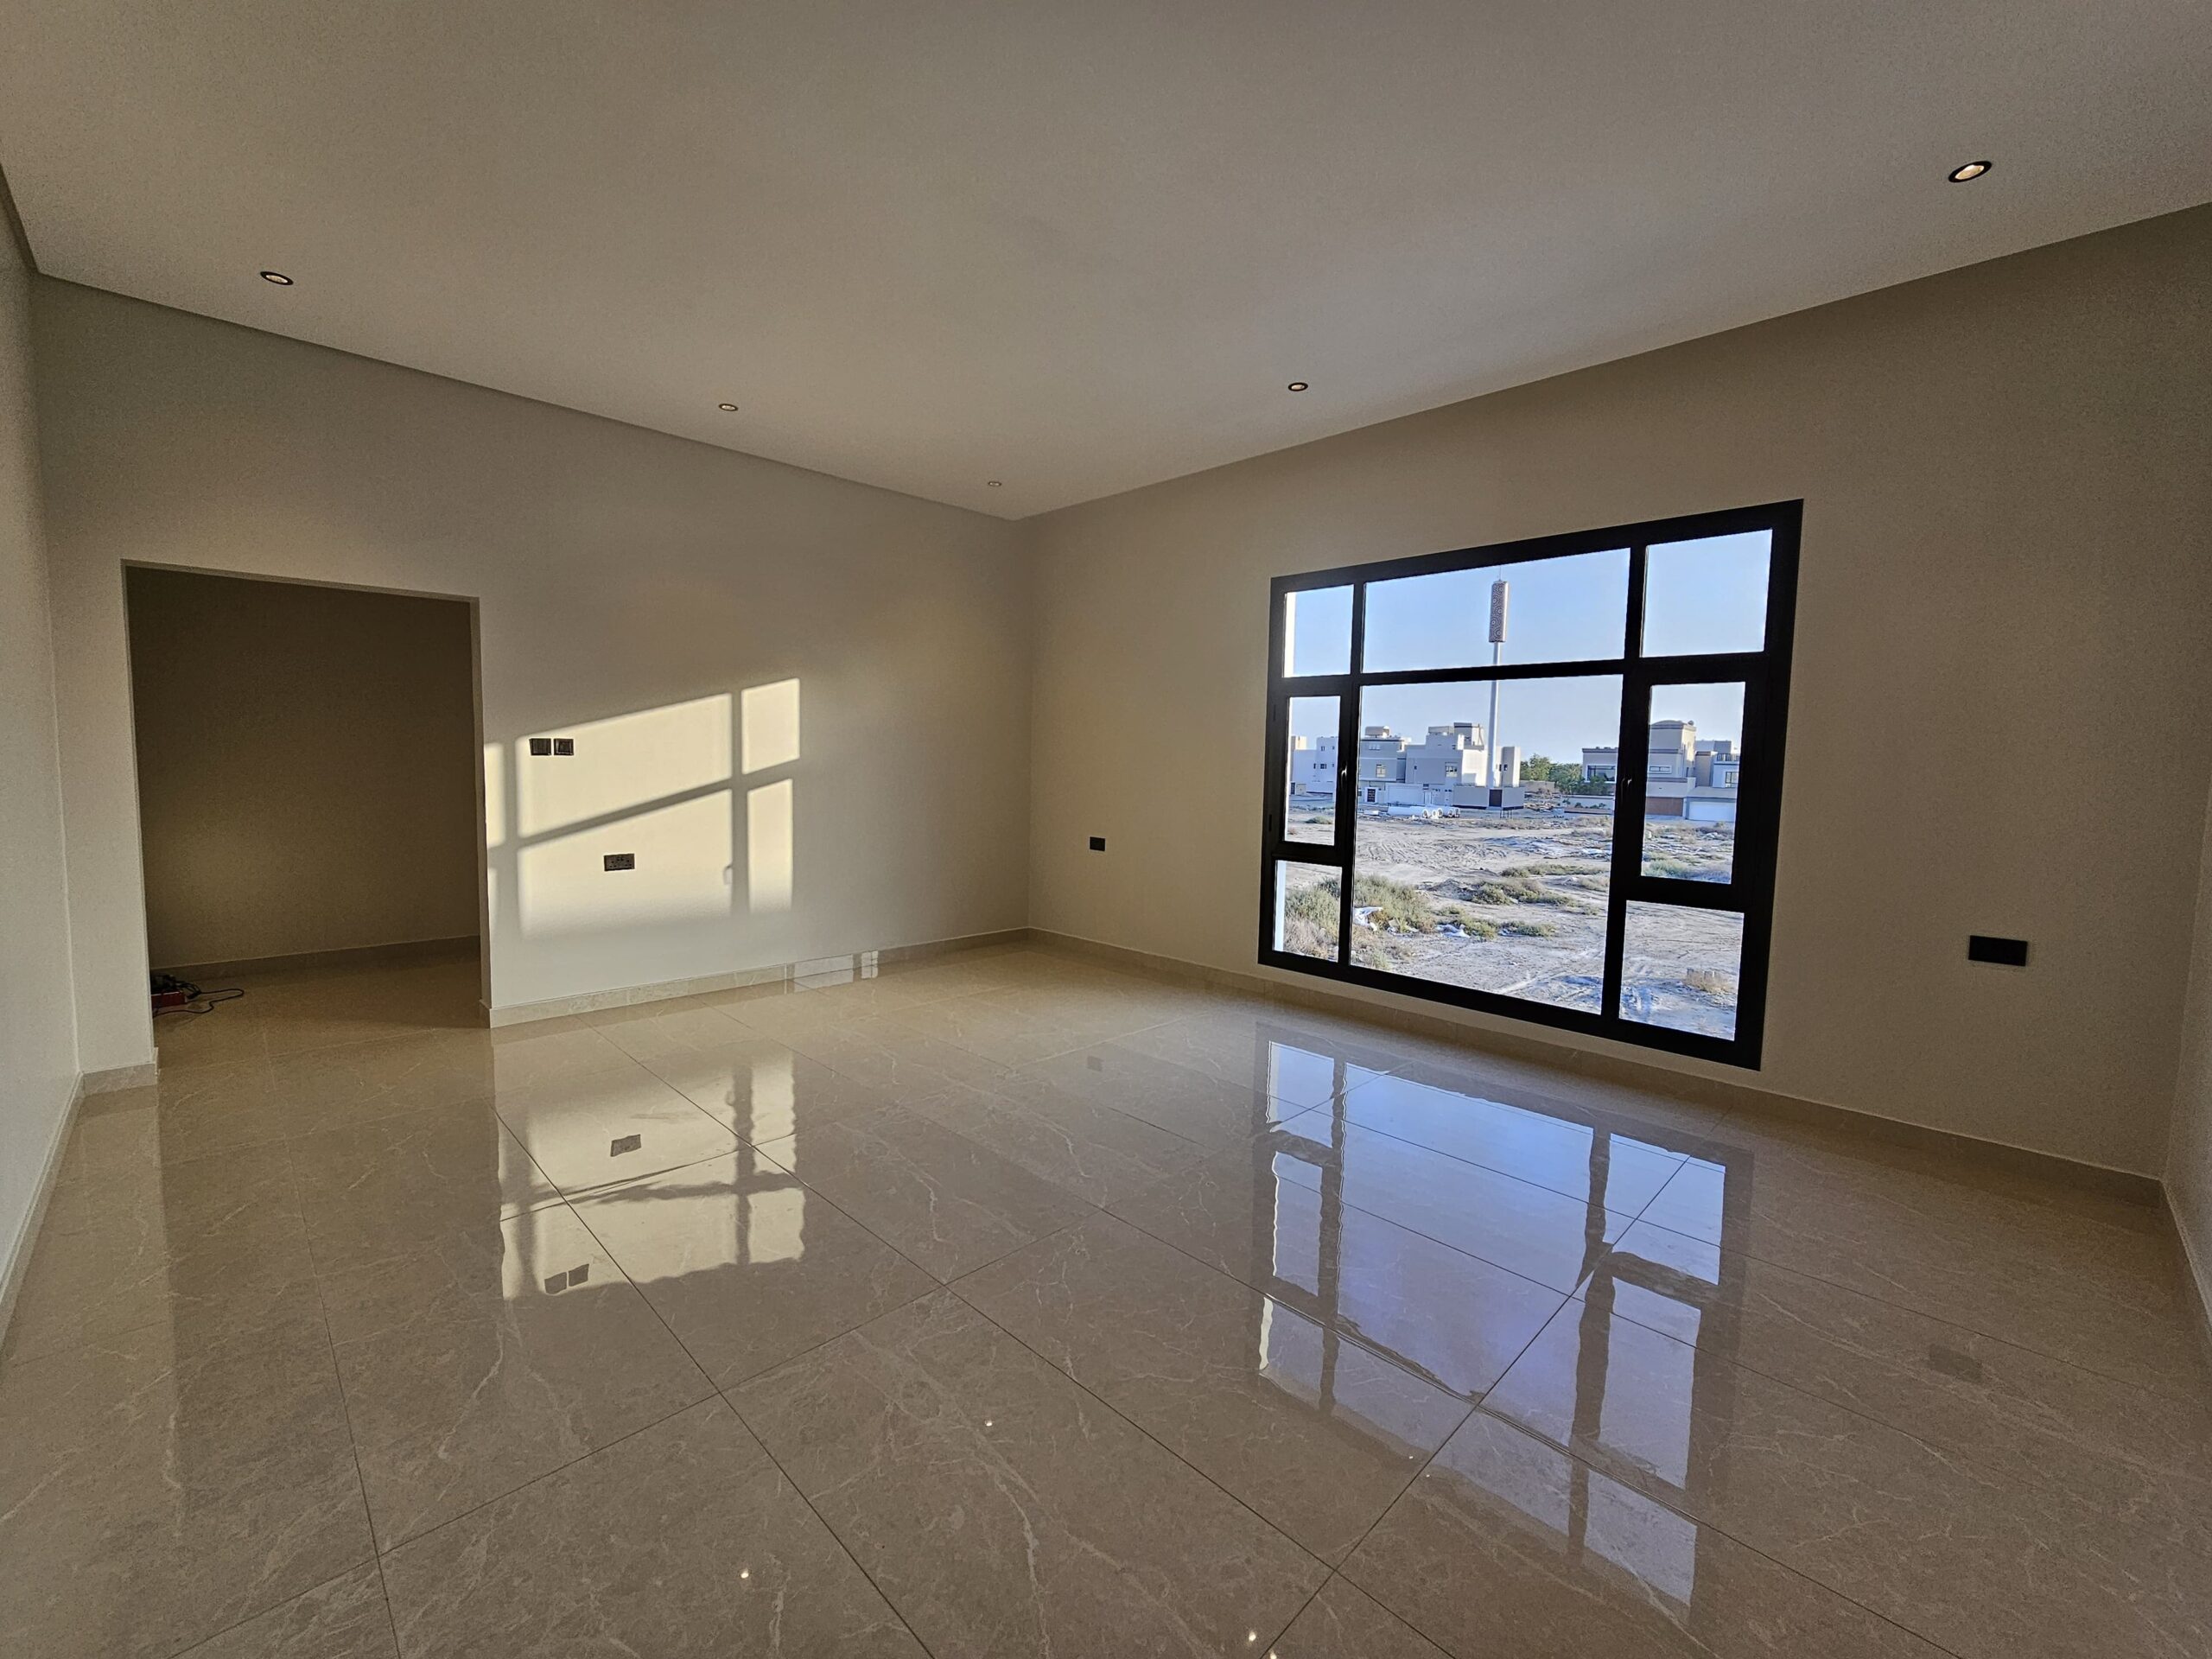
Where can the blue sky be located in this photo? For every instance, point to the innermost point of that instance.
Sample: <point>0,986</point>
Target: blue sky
<point>1707,595</point>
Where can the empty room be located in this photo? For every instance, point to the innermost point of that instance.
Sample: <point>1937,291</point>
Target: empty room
<point>1075,831</point>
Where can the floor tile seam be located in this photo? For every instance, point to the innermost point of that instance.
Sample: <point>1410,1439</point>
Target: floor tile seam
<point>1342,1333</point>
<point>934,1283</point>
<point>1616,1122</point>
<point>1407,1227</point>
<point>1476,1163</point>
<point>543,1475</point>
<point>1944,1450</point>
<point>1111,1409</point>
<point>353,1567</point>
<point>2176,1394</point>
<point>823,1521</point>
<point>1474,1406</point>
<point>354,1445</point>
<point>1457,1250</point>
<point>722,1395</point>
<point>1715,1527</point>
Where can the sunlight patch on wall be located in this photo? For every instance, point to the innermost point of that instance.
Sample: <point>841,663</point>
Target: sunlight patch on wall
<point>622,762</point>
<point>495,795</point>
<point>682,854</point>
<point>768,848</point>
<point>770,724</point>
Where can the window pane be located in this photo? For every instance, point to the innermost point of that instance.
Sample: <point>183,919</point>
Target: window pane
<point>1705,595</point>
<point>1310,806</point>
<point>1679,967</point>
<point>1307,898</point>
<point>1550,611</point>
<point>1690,781</point>
<point>1317,631</point>
<point>1450,889</point>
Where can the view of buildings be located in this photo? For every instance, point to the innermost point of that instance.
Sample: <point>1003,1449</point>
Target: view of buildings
<point>1450,770</point>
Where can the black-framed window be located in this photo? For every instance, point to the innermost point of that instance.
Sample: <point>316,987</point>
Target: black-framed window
<point>1542,778</point>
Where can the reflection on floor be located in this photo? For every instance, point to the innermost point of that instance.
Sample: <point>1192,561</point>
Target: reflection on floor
<point>1006,1305</point>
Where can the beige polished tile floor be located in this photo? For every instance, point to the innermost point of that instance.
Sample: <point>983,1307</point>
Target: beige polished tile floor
<point>1005,1305</point>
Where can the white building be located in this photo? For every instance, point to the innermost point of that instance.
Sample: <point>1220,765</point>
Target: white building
<point>1685,776</point>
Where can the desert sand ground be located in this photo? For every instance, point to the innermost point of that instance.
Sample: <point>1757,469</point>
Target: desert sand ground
<point>1515,904</point>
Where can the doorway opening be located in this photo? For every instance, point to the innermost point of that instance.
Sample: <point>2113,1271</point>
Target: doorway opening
<point>309,808</point>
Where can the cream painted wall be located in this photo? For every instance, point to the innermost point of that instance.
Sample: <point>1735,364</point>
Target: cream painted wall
<point>632,588</point>
<point>2189,1157</point>
<point>307,765</point>
<point>38,1042</point>
<point>2001,720</point>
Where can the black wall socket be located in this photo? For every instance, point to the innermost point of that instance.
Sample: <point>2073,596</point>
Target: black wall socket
<point>621,861</point>
<point>2008,953</point>
<point>564,746</point>
<point>541,746</point>
<point>1099,843</point>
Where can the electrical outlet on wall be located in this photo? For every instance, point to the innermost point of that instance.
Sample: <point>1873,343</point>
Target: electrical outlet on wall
<point>621,862</point>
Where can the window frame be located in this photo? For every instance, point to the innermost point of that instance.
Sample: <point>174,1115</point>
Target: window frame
<point>1764,674</point>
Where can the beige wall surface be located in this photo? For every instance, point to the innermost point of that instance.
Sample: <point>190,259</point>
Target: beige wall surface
<point>307,765</point>
<point>2001,720</point>
<point>38,1045</point>
<point>733,644</point>
<point>2188,1158</point>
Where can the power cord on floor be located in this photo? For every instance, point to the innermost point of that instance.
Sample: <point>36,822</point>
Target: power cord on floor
<point>174,995</point>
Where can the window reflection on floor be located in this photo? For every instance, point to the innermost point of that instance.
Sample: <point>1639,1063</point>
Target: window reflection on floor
<point>1330,1189</point>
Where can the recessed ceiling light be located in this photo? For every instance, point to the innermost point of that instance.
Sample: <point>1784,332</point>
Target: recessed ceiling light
<point>1970,170</point>
<point>1297,385</point>
<point>277,278</point>
<point>994,484</point>
<point>727,409</point>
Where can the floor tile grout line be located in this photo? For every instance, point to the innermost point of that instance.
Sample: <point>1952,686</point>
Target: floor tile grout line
<point>722,1395</point>
<point>346,1405</point>
<point>1114,1411</point>
<point>2178,1394</point>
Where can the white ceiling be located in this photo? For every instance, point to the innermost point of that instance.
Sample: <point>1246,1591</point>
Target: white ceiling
<point>1077,246</point>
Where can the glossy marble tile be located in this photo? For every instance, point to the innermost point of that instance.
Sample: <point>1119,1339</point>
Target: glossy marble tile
<point>1297,1062</point>
<point>345,1618</point>
<point>152,1496</point>
<point>1676,1379</point>
<point>1003,1510</point>
<point>942,1200</point>
<point>652,1031</point>
<point>683,1539</point>
<point>1512,1223</point>
<point>893,1059</point>
<point>210,1248</point>
<point>495,1356</point>
<point>1597,1162</point>
<point>1191,1104</point>
<point>762,1090</point>
<point>1506,1545</point>
<point>1870,1512</point>
<point>1093,1151</point>
<point>1438,1312</point>
<point>394,1186</point>
<point>2045,1276</point>
<point>2009,1407</point>
<point>1344,1622</point>
<point>748,1266</point>
<point>1315,1433</point>
<point>591,1133</point>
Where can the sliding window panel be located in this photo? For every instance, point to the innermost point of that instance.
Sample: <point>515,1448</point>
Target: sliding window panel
<point>1693,780</point>
<point>1556,610</point>
<point>1450,891</point>
<point>1308,909</point>
<point>1309,785</point>
<point>1681,968</point>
